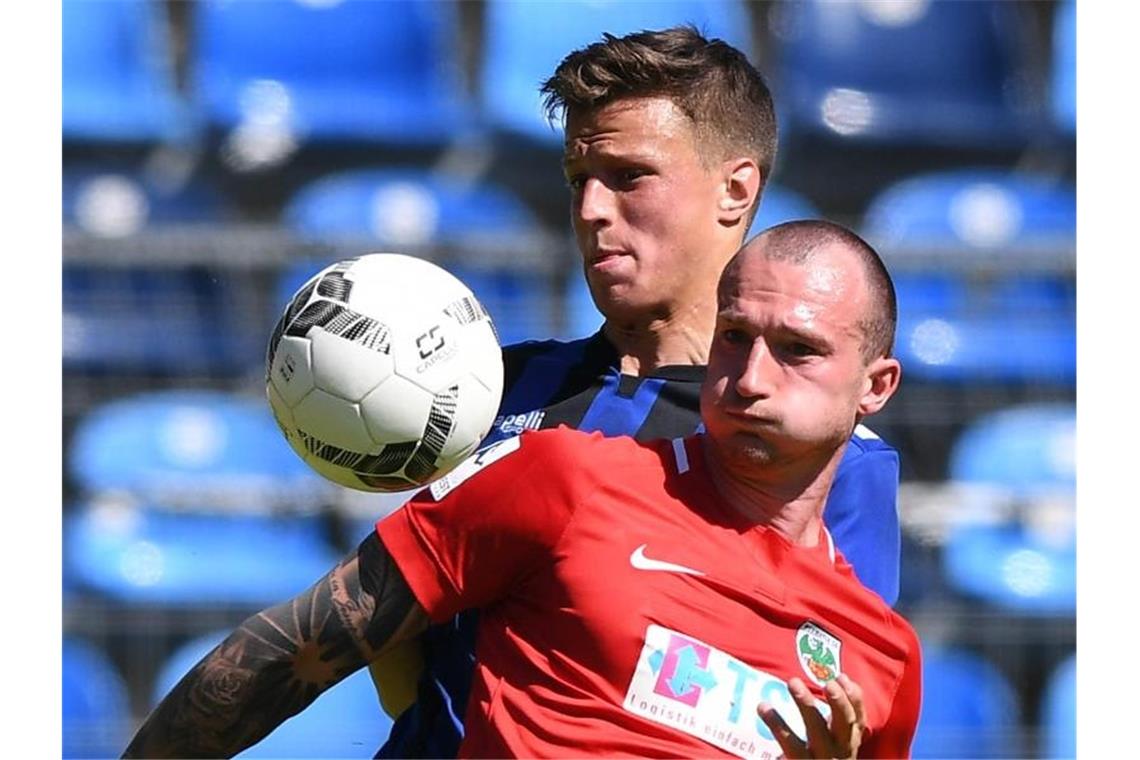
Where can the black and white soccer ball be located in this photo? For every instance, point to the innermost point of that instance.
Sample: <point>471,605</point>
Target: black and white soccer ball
<point>384,372</point>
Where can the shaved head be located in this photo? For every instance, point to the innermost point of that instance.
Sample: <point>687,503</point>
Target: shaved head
<point>800,242</point>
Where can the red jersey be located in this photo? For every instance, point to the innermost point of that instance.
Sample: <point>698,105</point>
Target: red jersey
<point>625,610</point>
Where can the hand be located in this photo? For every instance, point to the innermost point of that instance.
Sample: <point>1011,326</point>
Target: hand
<point>840,739</point>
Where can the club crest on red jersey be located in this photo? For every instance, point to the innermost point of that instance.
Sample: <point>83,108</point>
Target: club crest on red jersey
<point>818,653</point>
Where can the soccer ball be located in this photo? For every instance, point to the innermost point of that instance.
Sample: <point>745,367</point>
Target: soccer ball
<point>384,372</point>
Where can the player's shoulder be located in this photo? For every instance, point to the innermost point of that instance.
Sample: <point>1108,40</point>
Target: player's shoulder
<point>563,439</point>
<point>904,635</point>
<point>552,454</point>
<point>864,441</point>
<point>862,603</point>
<point>569,449</point>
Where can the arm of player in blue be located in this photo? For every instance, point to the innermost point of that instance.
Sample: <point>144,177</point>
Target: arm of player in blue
<point>862,513</point>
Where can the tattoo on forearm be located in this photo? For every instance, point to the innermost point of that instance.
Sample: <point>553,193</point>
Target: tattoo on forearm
<point>279,660</point>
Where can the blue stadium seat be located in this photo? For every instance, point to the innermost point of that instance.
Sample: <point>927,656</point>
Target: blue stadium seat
<point>161,319</point>
<point>207,447</point>
<point>114,201</point>
<point>969,709</point>
<point>344,722</point>
<point>148,556</point>
<point>989,348</point>
<point>118,77</point>
<point>938,74</point>
<point>1064,80</point>
<point>929,293</point>
<point>409,209</point>
<point>1058,719</point>
<point>1009,328</point>
<point>524,41</point>
<point>354,71</point>
<point>1028,566</point>
<point>973,210</point>
<point>1031,294</point>
<point>1021,326</point>
<point>96,708</point>
<point>1027,449</point>
<point>187,501</point>
<point>1012,568</point>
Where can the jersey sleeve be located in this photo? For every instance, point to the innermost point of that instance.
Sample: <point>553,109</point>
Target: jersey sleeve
<point>862,516</point>
<point>894,739</point>
<point>466,540</point>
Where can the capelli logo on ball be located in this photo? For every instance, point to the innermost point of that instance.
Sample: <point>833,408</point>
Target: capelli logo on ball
<point>434,348</point>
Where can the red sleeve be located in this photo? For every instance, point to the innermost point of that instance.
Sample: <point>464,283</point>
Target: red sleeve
<point>466,540</point>
<point>893,740</point>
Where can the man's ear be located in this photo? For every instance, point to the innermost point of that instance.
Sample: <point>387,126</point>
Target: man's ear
<point>741,189</point>
<point>880,383</point>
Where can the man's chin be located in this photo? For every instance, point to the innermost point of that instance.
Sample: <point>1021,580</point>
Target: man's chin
<point>626,308</point>
<point>749,450</point>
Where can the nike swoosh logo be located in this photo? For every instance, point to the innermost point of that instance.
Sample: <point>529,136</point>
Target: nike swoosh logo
<point>641,562</point>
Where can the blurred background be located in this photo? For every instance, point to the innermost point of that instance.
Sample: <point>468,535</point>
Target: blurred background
<point>216,153</point>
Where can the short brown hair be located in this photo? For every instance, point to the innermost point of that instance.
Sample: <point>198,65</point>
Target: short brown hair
<point>708,80</point>
<point>798,241</point>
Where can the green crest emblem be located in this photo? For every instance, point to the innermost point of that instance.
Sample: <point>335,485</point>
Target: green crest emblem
<point>818,653</point>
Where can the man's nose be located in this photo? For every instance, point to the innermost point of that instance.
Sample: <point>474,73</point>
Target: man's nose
<point>596,203</point>
<point>757,376</point>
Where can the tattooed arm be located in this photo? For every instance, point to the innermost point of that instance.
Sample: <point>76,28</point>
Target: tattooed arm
<point>278,661</point>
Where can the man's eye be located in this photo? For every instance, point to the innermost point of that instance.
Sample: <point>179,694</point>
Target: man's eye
<point>576,181</point>
<point>734,336</point>
<point>632,175</point>
<point>802,350</point>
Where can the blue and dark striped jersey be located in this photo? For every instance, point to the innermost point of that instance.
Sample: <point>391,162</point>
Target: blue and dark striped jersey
<point>578,383</point>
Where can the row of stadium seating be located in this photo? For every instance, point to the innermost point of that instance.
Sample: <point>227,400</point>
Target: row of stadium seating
<point>166,479</point>
<point>271,75</point>
<point>969,710</point>
<point>198,324</point>
<point>982,261</point>
<point>976,212</point>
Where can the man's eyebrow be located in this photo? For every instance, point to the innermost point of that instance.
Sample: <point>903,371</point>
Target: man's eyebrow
<point>807,335</point>
<point>606,154</point>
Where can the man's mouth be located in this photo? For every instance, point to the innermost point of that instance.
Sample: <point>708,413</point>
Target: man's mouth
<point>605,254</point>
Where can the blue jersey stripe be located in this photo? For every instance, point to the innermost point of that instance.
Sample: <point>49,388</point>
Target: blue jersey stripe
<point>456,720</point>
<point>611,414</point>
